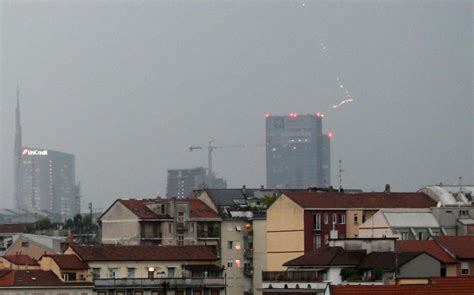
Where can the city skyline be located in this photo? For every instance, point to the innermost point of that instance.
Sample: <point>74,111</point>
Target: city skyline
<point>140,82</point>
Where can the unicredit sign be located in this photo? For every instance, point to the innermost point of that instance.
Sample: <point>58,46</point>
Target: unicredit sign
<point>27,152</point>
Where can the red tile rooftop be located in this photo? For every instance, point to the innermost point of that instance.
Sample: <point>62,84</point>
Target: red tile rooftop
<point>33,278</point>
<point>144,253</point>
<point>447,286</point>
<point>326,200</point>
<point>198,209</point>
<point>460,246</point>
<point>69,262</point>
<point>21,260</point>
<point>429,246</point>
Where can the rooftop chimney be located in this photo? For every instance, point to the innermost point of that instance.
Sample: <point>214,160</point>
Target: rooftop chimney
<point>387,188</point>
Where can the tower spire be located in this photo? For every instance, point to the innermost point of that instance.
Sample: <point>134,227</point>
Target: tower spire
<point>17,151</point>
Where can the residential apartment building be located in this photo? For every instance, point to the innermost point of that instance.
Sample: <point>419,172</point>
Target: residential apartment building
<point>175,270</point>
<point>160,222</point>
<point>299,222</point>
<point>404,224</point>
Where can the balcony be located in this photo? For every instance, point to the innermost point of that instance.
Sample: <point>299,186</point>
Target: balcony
<point>152,236</point>
<point>182,226</point>
<point>248,253</point>
<point>209,234</point>
<point>291,276</point>
<point>160,283</point>
<point>248,271</point>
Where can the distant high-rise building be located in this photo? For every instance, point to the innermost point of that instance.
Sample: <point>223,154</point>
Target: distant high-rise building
<point>181,182</point>
<point>44,179</point>
<point>297,152</point>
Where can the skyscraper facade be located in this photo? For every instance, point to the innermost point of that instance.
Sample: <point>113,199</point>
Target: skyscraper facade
<point>181,182</point>
<point>44,179</point>
<point>297,152</point>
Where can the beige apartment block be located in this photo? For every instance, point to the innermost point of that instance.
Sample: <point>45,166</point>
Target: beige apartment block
<point>285,236</point>
<point>232,256</point>
<point>259,252</point>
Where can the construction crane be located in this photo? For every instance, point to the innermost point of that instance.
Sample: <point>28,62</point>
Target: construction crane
<point>210,149</point>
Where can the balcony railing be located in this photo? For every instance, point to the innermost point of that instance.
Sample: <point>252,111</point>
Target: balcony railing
<point>248,253</point>
<point>291,276</point>
<point>171,283</point>
<point>248,271</point>
<point>208,235</point>
<point>152,236</point>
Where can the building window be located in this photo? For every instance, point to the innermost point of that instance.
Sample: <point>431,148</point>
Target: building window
<point>180,240</point>
<point>342,219</point>
<point>113,273</point>
<point>96,273</point>
<point>230,245</point>
<point>463,213</point>
<point>317,221</point>
<point>405,236</point>
<point>420,236</point>
<point>130,272</point>
<point>326,218</point>
<point>237,263</point>
<point>238,228</point>
<point>363,217</point>
<point>237,245</point>
<point>356,218</point>
<point>317,242</point>
<point>334,218</point>
<point>465,268</point>
<point>68,276</point>
<point>230,263</point>
<point>171,271</point>
<point>170,227</point>
<point>25,244</point>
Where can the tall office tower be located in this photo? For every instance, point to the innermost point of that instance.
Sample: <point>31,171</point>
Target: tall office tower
<point>48,182</point>
<point>181,182</point>
<point>44,179</point>
<point>297,152</point>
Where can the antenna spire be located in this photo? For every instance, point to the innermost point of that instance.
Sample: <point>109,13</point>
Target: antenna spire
<point>340,174</point>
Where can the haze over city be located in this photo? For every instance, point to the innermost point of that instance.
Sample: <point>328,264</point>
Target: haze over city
<point>127,87</point>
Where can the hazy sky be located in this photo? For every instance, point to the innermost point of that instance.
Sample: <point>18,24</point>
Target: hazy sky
<point>128,86</point>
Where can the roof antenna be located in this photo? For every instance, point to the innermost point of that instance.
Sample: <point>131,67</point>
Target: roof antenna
<point>340,175</point>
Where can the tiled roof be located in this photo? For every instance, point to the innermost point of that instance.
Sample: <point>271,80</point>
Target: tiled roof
<point>460,246</point>
<point>386,260</point>
<point>139,208</point>
<point>69,262</point>
<point>34,278</point>
<point>360,200</point>
<point>14,228</point>
<point>21,260</point>
<point>446,286</point>
<point>328,256</point>
<point>198,209</point>
<point>144,253</point>
<point>336,256</point>
<point>428,246</point>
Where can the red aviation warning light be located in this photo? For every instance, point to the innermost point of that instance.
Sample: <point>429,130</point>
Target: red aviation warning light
<point>330,134</point>
<point>318,114</point>
<point>293,115</point>
<point>267,115</point>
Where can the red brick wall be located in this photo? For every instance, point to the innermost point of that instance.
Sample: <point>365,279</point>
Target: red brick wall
<point>309,231</point>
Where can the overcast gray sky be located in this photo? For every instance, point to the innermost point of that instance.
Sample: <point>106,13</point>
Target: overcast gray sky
<point>128,86</point>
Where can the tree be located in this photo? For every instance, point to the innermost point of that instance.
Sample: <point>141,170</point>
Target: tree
<point>43,224</point>
<point>268,200</point>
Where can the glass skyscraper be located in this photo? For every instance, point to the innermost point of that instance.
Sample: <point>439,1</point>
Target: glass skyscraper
<point>297,152</point>
<point>44,179</point>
